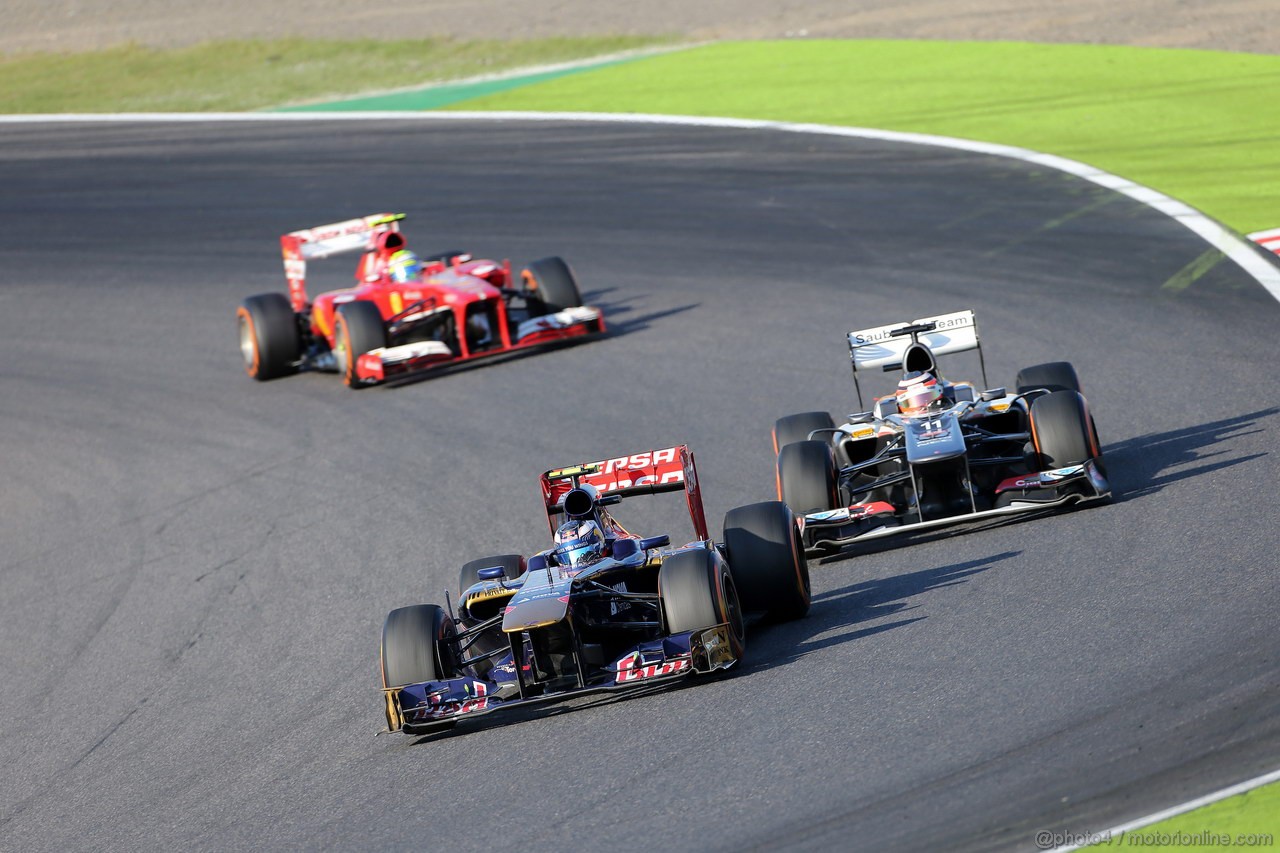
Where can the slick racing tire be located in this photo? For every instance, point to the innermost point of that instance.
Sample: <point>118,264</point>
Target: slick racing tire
<point>697,591</point>
<point>269,340</point>
<point>807,477</point>
<point>766,556</point>
<point>1055,376</point>
<point>1062,431</point>
<point>357,329</point>
<point>553,283</point>
<point>416,645</point>
<point>795,428</point>
<point>513,564</point>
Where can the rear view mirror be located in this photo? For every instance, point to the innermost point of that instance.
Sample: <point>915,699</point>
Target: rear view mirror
<point>492,574</point>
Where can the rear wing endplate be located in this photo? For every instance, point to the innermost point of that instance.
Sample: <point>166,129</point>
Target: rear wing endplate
<point>670,469</point>
<point>324,241</point>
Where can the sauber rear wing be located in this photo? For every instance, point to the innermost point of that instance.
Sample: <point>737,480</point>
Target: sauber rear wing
<point>668,470</point>
<point>885,346</point>
<point>324,241</point>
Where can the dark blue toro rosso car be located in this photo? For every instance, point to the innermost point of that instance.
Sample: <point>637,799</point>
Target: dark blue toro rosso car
<point>603,609</point>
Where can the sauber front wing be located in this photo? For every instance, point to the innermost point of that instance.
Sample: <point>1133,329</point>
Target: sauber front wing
<point>829,530</point>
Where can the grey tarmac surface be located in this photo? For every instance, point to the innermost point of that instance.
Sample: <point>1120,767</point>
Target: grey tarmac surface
<point>196,566</point>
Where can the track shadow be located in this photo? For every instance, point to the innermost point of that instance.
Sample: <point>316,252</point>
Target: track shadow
<point>1143,465</point>
<point>853,605</point>
<point>621,314</point>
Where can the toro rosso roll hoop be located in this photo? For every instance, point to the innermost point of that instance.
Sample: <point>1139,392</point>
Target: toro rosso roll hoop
<point>937,452</point>
<point>602,610</point>
<point>405,314</point>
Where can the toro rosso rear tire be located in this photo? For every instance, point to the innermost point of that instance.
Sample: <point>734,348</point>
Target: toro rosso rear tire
<point>698,591</point>
<point>807,476</point>
<point>357,329</point>
<point>1062,431</point>
<point>766,556</point>
<point>554,284</point>
<point>1054,375</point>
<point>795,428</point>
<point>269,340</point>
<point>512,564</point>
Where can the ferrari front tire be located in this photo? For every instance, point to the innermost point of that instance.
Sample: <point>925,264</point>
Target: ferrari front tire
<point>358,328</point>
<point>554,284</point>
<point>270,343</point>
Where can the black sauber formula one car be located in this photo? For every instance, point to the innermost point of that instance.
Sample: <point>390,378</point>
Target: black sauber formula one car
<point>603,609</point>
<point>937,452</point>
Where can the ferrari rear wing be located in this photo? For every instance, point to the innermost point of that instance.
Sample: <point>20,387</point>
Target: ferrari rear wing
<point>324,241</point>
<point>885,346</point>
<point>670,469</point>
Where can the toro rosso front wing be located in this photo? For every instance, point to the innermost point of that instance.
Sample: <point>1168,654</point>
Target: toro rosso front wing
<point>828,530</point>
<point>389,362</point>
<point>417,708</point>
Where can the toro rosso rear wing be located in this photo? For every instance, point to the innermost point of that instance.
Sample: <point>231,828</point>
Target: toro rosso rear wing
<point>885,346</point>
<point>365,234</point>
<point>670,469</point>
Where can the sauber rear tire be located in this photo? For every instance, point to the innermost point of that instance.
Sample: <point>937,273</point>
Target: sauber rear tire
<point>697,591</point>
<point>554,284</point>
<point>512,563</point>
<point>269,340</point>
<point>1062,431</point>
<point>807,476</point>
<point>357,329</point>
<point>1054,375</point>
<point>767,559</point>
<point>795,428</point>
<point>415,645</point>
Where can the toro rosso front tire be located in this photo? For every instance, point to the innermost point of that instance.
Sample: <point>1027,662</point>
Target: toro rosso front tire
<point>269,339</point>
<point>1062,431</point>
<point>357,329</point>
<point>697,591</point>
<point>766,556</point>
<point>554,284</point>
<point>795,428</point>
<point>415,645</point>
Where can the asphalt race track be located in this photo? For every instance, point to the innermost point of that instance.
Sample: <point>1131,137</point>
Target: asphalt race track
<point>196,566</point>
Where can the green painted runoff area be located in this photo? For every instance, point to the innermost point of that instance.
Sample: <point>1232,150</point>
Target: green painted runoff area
<point>1202,126</point>
<point>1245,818</point>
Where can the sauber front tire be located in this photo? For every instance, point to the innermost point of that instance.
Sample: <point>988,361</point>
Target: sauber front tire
<point>795,428</point>
<point>270,343</point>
<point>807,480</point>
<point>1062,431</point>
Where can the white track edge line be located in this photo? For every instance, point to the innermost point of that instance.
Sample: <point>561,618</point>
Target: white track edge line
<point>1174,811</point>
<point>1232,245</point>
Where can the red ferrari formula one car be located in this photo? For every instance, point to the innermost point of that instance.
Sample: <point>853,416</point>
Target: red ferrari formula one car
<point>405,314</point>
<point>603,609</point>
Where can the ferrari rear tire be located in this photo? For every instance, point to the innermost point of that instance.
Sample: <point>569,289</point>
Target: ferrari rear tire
<point>269,339</point>
<point>795,428</point>
<point>554,283</point>
<point>766,557</point>
<point>1062,431</point>
<point>807,479</point>
<point>416,645</point>
<point>513,564</point>
<point>698,591</point>
<point>1054,375</point>
<point>357,329</point>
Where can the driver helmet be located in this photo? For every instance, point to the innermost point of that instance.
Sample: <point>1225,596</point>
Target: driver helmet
<point>579,542</point>
<point>404,267</point>
<point>919,392</point>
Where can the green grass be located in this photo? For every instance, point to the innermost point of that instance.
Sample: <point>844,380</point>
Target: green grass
<point>1203,126</point>
<point>1255,812</point>
<point>248,75</point>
